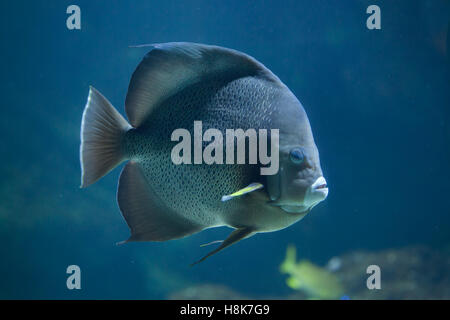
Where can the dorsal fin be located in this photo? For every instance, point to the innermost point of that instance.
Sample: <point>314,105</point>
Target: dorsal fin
<point>171,67</point>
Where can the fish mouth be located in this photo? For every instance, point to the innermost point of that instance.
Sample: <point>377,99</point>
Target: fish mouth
<point>316,193</point>
<point>319,187</point>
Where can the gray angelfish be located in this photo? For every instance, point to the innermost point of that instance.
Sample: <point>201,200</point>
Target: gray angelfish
<point>175,85</point>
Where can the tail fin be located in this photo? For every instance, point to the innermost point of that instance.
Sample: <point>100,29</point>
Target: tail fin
<point>102,129</point>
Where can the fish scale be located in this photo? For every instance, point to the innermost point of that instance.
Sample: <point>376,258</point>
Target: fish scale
<point>217,106</point>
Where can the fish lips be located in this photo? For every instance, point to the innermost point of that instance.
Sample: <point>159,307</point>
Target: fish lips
<point>318,191</point>
<point>315,193</point>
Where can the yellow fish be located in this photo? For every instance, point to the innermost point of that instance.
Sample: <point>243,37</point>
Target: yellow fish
<point>316,282</point>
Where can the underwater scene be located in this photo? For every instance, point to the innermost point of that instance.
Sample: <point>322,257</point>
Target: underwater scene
<point>207,149</point>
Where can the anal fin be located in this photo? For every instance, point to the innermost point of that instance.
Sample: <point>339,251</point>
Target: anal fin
<point>234,237</point>
<point>146,215</point>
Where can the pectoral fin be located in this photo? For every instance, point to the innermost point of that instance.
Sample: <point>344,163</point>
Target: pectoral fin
<point>234,237</point>
<point>250,188</point>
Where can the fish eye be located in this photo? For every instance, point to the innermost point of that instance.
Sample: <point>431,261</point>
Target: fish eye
<point>296,155</point>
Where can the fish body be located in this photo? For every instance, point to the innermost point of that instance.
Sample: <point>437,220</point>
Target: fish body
<point>174,86</point>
